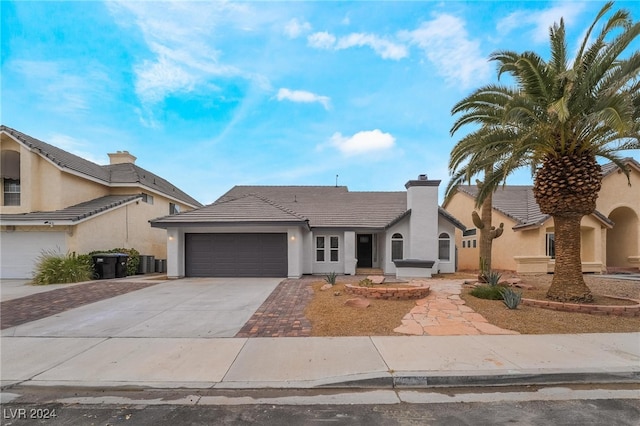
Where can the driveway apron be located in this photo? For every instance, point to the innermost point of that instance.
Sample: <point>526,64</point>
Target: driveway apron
<point>191,307</point>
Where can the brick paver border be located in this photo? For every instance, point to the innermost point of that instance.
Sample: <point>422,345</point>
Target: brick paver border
<point>282,314</point>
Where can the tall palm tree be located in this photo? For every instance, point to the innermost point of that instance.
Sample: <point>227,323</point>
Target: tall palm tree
<point>558,118</point>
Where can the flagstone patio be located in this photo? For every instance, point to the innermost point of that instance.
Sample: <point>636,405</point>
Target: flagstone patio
<point>444,313</point>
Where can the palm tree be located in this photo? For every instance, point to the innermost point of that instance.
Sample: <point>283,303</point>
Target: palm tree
<point>558,118</point>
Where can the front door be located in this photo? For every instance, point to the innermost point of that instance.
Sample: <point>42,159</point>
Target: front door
<point>365,251</point>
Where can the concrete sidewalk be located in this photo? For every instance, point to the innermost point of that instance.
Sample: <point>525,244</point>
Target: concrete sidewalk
<point>373,362</point>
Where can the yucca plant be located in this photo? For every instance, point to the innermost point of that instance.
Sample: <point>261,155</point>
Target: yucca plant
<point>56,268</point>
<point>493,278</point>
<point>511,298</point>
<point>331,278</point>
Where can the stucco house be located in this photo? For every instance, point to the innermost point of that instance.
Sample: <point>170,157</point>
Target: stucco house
<point>289,231</point>
<point>53,200</point>
<point>610,236</point>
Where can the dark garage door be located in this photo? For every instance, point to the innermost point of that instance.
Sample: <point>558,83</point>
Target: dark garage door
<point>236,255</point>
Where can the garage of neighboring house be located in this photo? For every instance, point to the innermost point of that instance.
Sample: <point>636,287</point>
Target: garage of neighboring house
<point>236,255</point>
<point>21,250</point>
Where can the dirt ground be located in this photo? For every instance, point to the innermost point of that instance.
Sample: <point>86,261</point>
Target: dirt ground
<point>330,317</point>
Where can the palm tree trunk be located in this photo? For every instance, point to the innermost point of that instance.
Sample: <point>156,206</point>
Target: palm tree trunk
<point>568,283</point>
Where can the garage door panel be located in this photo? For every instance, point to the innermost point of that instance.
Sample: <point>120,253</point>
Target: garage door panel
<point>19,251</point>
<point>236,255</point>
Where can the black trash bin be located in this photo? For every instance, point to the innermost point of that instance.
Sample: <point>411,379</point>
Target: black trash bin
<point>105,265</point>
<point>121,265</point>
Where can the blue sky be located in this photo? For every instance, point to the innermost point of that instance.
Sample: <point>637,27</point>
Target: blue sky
<point>213,94</point>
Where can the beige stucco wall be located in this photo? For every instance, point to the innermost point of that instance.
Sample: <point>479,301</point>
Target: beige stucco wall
<point>513,249</point>
<point>621,203</point>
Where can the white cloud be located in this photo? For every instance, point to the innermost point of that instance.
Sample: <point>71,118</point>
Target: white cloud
<point>362,142</point>
<point>295,28</point>
<point>386,49</point>
<point>77,147</point>
<point>446,43</point>
<point>540,21</point>
<point>321,40</point>
<point>302,96</point>
<point>184,57</point>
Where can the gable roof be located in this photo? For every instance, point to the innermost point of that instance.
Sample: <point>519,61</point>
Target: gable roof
<point>518,203</point>
<point>313,206</point>
<point>609,168</point>
<point>247,209</point>
<point>70,215</point>
<point>114,175</point>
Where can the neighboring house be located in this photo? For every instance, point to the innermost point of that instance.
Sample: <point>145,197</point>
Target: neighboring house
<point>610,236</point>
<point>53,200</point>
<point>295,230</point>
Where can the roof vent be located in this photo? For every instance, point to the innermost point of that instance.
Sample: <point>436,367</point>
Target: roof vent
<point>422,177</point>
<point>121,157</point>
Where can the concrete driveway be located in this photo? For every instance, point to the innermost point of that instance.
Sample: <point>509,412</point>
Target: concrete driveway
<point>190,307</point>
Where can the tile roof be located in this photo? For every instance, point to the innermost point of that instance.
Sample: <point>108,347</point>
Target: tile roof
<point>112,175</point>
<point>609,168</point>
<point>319,206</point>
<point>73,213</point>
<point>518,203</point>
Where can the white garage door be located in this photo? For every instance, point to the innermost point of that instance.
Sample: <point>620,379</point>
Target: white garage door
<point>19,251</point>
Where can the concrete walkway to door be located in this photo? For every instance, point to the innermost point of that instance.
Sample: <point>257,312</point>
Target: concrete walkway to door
<point>193,307</point>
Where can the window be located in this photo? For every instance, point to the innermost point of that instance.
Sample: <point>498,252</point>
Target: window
<point>147,198</point>
<point>11,192</point>
<point>333,249</point>
<point>319,249</point>
<point>174,209</point>
<point>474,244</point>
<point>444,246</point>
<point>397,247</point>
<point>551,245</point>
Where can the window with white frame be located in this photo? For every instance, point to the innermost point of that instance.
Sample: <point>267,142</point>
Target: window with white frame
<point>11,192</point>
<point>319,249</point>
<point>397,247</point>
<point>551,245</point>
<point>444,247</point>
<point>330,251</point>
<point>334,247</point>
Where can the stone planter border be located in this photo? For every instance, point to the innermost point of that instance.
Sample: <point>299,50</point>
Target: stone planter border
<point>623,311</point>
<point>388,293</point>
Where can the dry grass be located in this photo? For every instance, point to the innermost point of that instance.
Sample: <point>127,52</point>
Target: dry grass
<point>530,320</point>
<point>330,317</point>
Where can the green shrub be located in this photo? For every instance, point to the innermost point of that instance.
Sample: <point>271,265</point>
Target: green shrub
<point>511,298</point>
<point>491,292</point>
<point>331,278</point>
<point>56,268</point>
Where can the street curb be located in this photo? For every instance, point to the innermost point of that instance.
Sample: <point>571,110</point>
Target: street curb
<point>430,381</point>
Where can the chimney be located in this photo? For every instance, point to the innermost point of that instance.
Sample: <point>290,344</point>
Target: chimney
<point>121,157</point>
<point>422,199</point>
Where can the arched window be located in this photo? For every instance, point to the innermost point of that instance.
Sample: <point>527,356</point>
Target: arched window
<point>10,178</point>
<point>397,247</point>
<point>444,247</point>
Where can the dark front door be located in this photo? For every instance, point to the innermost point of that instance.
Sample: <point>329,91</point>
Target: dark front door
<point>365,251</point>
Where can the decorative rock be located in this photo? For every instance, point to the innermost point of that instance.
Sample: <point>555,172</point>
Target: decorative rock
<point>325,287</point>
<point>357,302</point>
<point>376,279</point>
<point>337,293</point>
